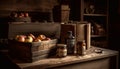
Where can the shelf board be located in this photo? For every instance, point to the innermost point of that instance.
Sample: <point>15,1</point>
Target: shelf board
<point>94,14</point>
<point>98,35</point>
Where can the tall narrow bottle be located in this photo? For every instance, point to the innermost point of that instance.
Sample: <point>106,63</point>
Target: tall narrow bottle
<point>70,43</point>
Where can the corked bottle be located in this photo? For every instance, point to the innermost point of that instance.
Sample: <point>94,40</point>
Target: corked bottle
<point>70,43</point>
<point>81,47</point>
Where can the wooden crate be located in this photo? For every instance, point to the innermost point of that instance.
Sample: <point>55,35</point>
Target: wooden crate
<point>30,52</point>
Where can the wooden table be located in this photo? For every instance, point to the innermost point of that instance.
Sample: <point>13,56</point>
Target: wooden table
<point>108,59</point>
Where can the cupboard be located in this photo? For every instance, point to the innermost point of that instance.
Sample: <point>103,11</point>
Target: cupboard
<point>96,13</point>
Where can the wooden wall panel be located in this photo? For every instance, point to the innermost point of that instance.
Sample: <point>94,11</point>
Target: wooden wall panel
<point>27,4</point>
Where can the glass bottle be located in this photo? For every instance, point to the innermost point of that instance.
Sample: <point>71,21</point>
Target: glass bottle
<point>70,43</point>
<point>81,47</point>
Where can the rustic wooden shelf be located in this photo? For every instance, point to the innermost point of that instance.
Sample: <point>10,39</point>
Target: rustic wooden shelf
<point>94,14</point>
<point>98,35</point>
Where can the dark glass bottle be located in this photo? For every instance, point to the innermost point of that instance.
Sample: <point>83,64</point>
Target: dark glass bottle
<point>70,43</point>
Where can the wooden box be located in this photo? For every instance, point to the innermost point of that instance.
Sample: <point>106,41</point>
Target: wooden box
<point>81,30</point>
<point>30,52</point>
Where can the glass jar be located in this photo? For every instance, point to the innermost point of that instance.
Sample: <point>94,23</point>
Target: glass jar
<point>61,50</point>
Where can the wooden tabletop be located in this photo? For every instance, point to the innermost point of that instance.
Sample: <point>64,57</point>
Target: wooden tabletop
<point>91,54</point>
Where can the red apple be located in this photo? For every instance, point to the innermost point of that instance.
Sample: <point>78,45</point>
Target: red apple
<point>47,38</point>
<point>20,38</point>
<point>41,37</point>
<point>37,40</point>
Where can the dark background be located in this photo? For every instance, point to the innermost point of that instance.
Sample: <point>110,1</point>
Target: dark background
<point>39,9</point>
<point>36,8</point>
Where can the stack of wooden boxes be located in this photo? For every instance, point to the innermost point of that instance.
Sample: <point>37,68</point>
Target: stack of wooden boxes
<point>33,51</point>
<point>81,30</point>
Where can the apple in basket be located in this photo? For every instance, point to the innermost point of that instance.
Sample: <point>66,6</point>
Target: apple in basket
<point>32,36</point>
<point>20,38</point>
<point>47,38</point>
<point>37,40</point>
<point>41,37</point>
<point>29,39</point>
